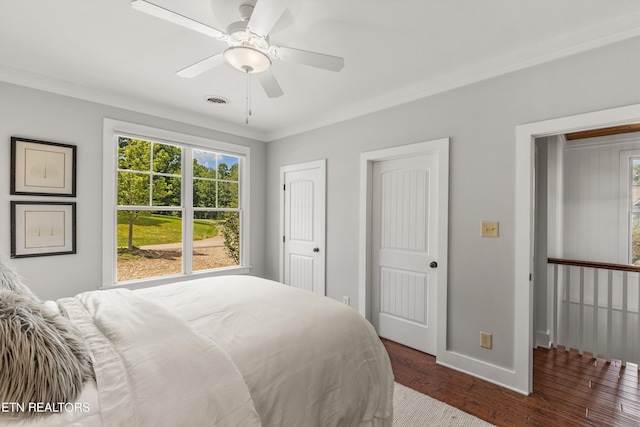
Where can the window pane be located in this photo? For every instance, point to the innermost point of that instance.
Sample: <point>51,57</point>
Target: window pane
<point>133,189</point>
<point>635,212</point>
<point>216,237</point>
<point>227,194</point>
<point>228,168</point>
<point>635,245</point>
<point>204,193</point>
<point>204,164</point>
<point>166,191</point>
<point>167,159</point>
<point>134,154</point>
<point>149,244</point>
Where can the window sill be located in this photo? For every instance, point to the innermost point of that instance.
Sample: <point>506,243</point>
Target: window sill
<point>166,280</point>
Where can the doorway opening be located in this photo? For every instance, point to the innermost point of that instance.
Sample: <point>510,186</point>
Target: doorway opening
<point>586,279</point>
<point>525,236</point>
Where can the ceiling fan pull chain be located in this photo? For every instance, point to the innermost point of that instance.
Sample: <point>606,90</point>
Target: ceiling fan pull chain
<point>247,98</point>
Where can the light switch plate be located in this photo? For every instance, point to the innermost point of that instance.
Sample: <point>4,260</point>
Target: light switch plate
<point>489,229</point>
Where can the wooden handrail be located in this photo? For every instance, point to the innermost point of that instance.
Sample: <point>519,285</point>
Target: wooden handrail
<point>591,264</point>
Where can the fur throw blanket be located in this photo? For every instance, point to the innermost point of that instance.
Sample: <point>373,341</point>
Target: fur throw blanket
<point>10,280</point>
<point>43,360</point>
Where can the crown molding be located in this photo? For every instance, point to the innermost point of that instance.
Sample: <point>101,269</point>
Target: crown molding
<point>62,87</point>
<point>599,35</point>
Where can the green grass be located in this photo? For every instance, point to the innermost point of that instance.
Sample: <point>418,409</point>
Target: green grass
<point>160,229</point>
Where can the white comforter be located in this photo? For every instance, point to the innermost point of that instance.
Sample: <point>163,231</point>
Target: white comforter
<point>306,359</point>
<point>229,351</point>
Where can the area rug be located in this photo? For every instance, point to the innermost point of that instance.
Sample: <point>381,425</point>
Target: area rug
<point>412,409</point>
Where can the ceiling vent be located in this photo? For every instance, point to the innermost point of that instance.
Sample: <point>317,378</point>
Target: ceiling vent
<point>217,100</point>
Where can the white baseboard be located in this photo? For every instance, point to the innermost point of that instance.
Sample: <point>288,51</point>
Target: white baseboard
<point>503,377</point>
<point>542,339</point>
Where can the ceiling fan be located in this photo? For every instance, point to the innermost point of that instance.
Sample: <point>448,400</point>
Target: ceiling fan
<point>249,48</point>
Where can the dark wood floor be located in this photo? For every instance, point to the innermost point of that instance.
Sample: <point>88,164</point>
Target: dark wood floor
<point>569,390</point>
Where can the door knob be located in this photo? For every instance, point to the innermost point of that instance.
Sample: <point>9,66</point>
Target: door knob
<point>316,249</point>
<point>433,264</point>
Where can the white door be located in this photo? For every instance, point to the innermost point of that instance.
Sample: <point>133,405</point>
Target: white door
<point>404,250</point>
<point>303,225</point>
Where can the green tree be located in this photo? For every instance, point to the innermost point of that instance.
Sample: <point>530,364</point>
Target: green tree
<point>228,198</point>
<point>133,186</point>
<point>204,186</point>
<point>228,189</point>
<point>137,170</point>
<point>231,233</point>
<point>167,160</point>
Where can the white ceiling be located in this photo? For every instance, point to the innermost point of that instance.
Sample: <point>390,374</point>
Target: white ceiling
<point>394,51</point>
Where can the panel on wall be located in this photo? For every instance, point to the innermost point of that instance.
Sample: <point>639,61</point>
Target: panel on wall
<point>301,212</point>
<point>404,198</point>
<point>301,271</point>
<point>593,229</point>
<point>403,294</point>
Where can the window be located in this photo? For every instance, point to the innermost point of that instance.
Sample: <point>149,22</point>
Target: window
<point>634,201</point>
<point>175,205</point>
<point>629,221</point>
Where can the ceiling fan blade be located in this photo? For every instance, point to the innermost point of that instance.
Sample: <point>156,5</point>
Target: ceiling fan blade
<point>265,15</point>
<point>176,18</point>
<point>201,66</point>
<point>270,84</point>
<point>314,59</point>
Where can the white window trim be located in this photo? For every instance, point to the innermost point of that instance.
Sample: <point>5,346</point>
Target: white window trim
<point>111,129</point>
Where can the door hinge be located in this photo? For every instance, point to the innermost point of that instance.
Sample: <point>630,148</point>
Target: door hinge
<point>530,276</point>
<point>284,187</point>
<point>283,239</point>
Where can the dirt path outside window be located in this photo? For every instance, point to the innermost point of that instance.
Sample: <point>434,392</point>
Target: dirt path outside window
<point>160,260</point>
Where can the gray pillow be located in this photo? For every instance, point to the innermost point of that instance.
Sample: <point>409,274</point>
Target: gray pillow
<point>11,280</point>
<point>43,359</point>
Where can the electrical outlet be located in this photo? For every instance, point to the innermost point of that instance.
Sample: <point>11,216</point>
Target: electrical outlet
<point>485,340</point>
<point>346,300</point>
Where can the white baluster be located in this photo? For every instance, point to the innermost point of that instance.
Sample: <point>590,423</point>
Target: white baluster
<point>581,315</point>
<point>625,294</point>
<point>556,338</point>
<point>596,309</point>
<point>609,314</point>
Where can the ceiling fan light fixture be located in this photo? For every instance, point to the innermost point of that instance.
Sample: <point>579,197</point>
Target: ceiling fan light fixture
<point>247,59</point>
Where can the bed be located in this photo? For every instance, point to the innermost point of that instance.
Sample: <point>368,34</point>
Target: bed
<point>227,351</point>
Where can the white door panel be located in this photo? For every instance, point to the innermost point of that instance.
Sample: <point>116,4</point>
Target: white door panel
<point>303,225</point>
<point>404,244</point>
<point>299,271</point>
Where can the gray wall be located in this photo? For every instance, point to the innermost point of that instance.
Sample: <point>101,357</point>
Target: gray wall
<point>481,120</point>
<point>34,114</point>
<point>602,234</point>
